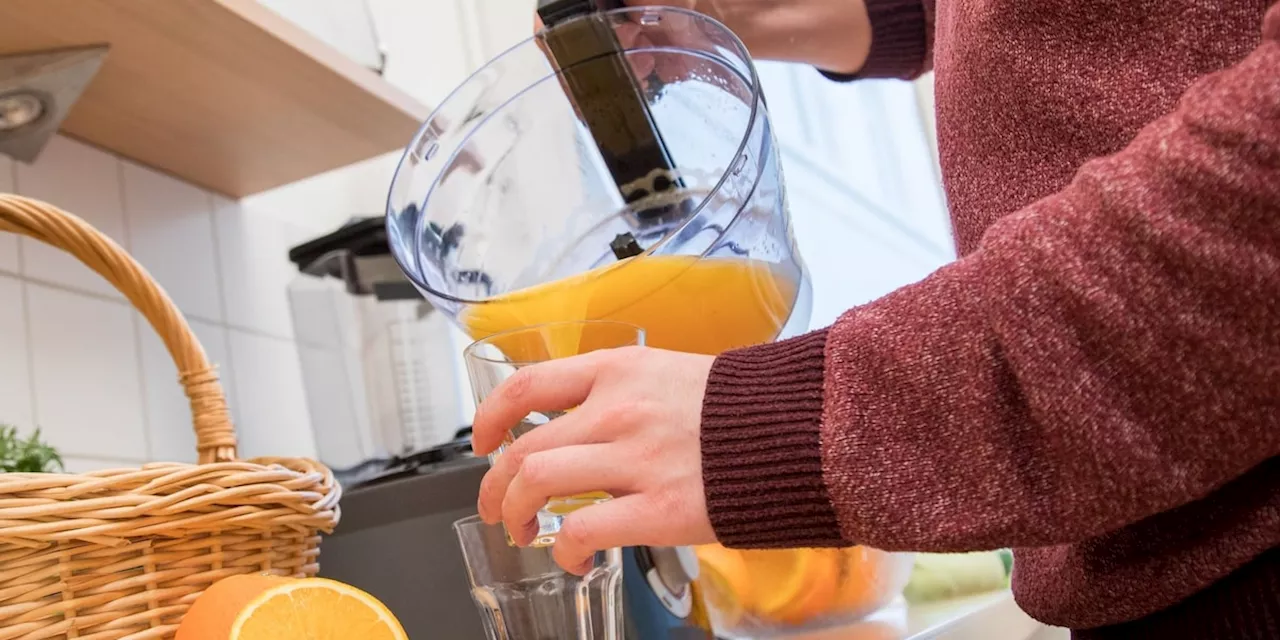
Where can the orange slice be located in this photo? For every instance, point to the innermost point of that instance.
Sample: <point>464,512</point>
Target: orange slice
<point>861,575</point>
<point>821,570</point>
<point>801,583</point>
<point>260,607</point>
<point>781,576</point>
<point>726,581</point>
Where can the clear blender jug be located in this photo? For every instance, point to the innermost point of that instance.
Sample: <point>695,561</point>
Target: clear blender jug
<point>507,210</point>
<point>531,196</point>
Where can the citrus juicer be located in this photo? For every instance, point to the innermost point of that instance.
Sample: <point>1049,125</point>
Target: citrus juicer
<point>619,165</point>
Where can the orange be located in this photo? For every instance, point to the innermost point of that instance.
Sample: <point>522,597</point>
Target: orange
<point>727,582</point>
<point>261,607</point>
<point>821,570</point>
<point>800,584</point>
<point>862,577</point>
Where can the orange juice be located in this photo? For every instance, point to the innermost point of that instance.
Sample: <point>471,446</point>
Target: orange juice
<point>684,303</point>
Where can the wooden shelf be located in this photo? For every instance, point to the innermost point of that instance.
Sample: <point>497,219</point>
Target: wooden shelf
<point>225,94</point>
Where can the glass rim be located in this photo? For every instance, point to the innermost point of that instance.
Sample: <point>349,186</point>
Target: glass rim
<point>757,105</point>
<point>469,352</point>
<point>470,522</point>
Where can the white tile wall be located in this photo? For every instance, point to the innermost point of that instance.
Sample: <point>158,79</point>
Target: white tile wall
<point>8,242</point>
<point>79,363</point>
<point>16,407</point>
<point>85,372</point>
<point>86,182</point>
<point>255,267</point>
<point>171,234</point>
<point>80,464</point>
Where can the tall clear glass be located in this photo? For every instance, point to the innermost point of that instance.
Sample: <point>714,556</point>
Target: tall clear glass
<point>504,214</point>
<point>494,359</point>
<point>523,595</point>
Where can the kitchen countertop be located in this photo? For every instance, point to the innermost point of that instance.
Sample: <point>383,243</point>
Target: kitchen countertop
<point>991,616</point>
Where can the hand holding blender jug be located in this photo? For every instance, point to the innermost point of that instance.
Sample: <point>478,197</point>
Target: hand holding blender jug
<point>555,185</point>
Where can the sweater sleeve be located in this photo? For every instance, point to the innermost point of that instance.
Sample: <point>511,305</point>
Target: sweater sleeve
<point>901,41</point>
<point>1108,353</point>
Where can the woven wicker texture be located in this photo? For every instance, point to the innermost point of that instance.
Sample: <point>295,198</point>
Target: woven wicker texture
<point>123,553</point>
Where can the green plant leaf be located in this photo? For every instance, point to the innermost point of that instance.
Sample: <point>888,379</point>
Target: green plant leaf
<point>29,455</point>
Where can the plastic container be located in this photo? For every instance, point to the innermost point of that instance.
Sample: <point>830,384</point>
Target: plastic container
<point>759,594</point>
<point>505,211</point>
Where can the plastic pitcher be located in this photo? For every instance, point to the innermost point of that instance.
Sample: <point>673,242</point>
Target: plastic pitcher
<point>506,211</point>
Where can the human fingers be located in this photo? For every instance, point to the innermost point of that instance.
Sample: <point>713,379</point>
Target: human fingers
<point>571,429</point>
<point>562,473</point>
<point>621,522</point>
<point>662,53</point>
<point>554,385</point>
<point>630,36</point>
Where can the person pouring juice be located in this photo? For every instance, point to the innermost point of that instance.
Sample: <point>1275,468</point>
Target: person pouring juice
<point>1093,382</point>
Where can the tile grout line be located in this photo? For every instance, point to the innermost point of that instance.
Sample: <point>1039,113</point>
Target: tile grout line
<point>31,352</point>
<point>137,320</point>
<point>57,286</point>
<point>228,387</point>
<point>26,318</point>
<point>216,238</point>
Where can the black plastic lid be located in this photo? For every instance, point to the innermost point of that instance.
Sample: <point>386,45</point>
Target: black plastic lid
<point>554,11</point>
<point>360,237</point>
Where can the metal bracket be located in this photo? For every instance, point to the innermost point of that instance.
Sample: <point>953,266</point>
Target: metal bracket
<point>37,90</point>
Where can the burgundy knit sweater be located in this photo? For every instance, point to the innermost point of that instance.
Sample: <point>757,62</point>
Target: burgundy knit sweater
<point>1096,382</point>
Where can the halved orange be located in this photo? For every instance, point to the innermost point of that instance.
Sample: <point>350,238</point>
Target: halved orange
<point>262,607</point>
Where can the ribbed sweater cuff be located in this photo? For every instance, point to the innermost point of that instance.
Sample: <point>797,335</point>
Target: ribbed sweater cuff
<point>762,447</point>
<point>899,41</point>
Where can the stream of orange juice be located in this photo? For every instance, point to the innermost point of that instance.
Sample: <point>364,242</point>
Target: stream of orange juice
<point>684,303</point>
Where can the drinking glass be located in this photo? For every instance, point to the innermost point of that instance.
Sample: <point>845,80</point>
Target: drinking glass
<point>523,595</point>
<point>494,359</point>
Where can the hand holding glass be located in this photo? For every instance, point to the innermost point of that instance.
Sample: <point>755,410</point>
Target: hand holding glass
<point>493,360</point>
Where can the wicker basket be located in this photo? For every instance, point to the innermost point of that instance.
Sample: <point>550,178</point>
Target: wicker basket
<point>123,553</point>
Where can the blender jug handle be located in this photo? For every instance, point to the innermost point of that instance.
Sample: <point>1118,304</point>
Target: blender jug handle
<point>596,76</point>
<point>553,12</point>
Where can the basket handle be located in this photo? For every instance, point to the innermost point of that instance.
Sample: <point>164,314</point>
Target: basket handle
<point>215,436</point>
